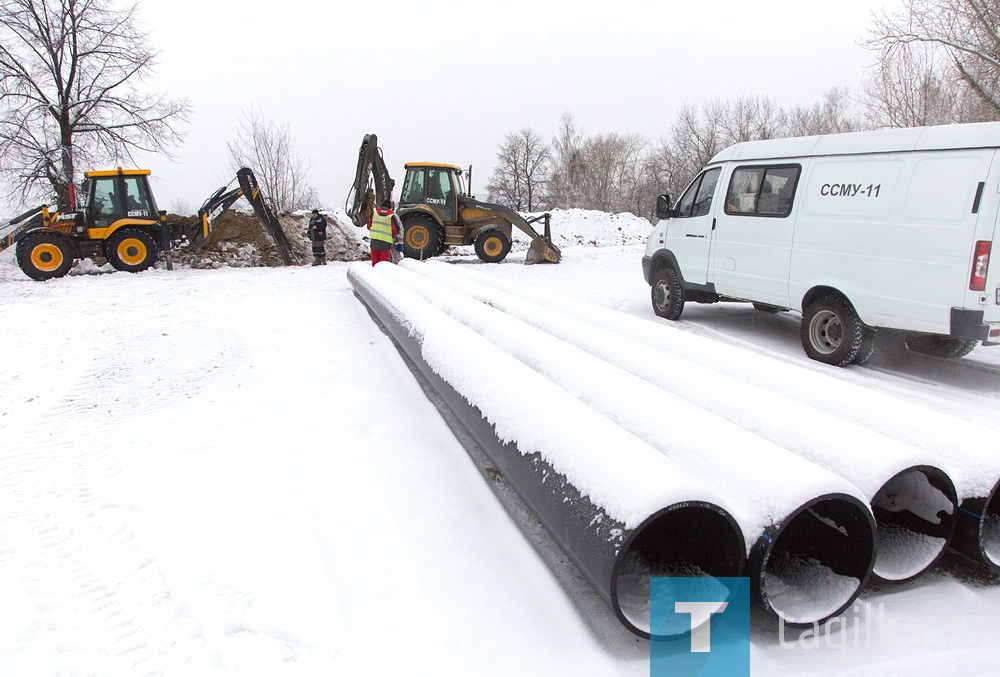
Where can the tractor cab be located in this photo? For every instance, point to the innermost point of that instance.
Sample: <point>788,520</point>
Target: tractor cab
<point>437,186</point>
<point>118,198</point>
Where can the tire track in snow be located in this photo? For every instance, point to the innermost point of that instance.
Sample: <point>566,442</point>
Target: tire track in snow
<point>99,597</point>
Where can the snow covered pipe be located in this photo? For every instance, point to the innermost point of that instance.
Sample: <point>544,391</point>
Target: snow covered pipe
<point>811,531</point>
<point>619,510</point>
<point>963,449</point>
<point>978,532</point>
<point>914,502</point>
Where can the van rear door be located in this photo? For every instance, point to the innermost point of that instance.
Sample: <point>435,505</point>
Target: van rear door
<point>984,267</point>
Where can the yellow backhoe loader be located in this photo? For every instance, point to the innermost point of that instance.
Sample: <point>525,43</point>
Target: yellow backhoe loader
<point>120,222</point>
<point>437,212</point>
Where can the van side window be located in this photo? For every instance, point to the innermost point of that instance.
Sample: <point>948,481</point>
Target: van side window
<point>762,191</point>
<point>697,199</point>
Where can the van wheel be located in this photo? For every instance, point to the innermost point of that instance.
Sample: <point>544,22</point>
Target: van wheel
<point>831,331</point>
<point>940,346</point>
<point>667,294</point>
<point>867,348</point>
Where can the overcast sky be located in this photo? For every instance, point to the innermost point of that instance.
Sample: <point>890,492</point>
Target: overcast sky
<point>446,81</point>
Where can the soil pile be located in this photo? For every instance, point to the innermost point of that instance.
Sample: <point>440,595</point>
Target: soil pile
<point>239,240</point>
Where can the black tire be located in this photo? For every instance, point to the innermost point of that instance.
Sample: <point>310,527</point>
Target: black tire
<point>44,255</point>
<point>831,331</point>
<point>422,238</point>
<point>940,346</point>
<point>131,250</point>
<point>492,246</point>
<point>867,348</point>
<point>667,293</point>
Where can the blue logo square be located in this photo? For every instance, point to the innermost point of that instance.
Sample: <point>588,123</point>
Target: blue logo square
<point>699,627</point>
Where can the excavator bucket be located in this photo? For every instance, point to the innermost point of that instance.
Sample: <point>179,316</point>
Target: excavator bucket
<point>542,250</point>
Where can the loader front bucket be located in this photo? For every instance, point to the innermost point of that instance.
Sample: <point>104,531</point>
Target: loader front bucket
<point>542,250</point>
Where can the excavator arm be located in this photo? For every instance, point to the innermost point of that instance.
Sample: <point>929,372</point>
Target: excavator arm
<point>372,183</point>
<point>221,200</point>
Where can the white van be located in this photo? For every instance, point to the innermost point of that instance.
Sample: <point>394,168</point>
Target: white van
<point>889,229</point>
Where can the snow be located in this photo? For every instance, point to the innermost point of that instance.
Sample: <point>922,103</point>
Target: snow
<point>793,581</point>
<point>232,472</point>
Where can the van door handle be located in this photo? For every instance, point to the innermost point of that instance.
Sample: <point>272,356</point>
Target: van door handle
<point>713,224</point>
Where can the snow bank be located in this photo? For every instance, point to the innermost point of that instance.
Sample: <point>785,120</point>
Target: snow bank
<point>585,227</point>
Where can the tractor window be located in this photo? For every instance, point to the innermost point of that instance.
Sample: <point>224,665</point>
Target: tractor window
<point>106,202</point>
<point>137,203</point>
<point>413,187</point>
<point>439,190</point>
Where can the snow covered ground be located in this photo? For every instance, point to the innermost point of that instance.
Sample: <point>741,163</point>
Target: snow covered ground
<point>232,471</point>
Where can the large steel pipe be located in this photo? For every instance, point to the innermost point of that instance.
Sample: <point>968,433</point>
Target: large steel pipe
<point>800,509</point>
<point>914,464</point>
<point>978,532</point>
<point>619,509</point>
<point>914,502</point>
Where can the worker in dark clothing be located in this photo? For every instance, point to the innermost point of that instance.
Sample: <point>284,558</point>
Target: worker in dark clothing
<point>383,228</point>
<point>317,235</point>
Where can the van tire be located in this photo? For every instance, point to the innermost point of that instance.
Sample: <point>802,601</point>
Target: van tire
<point>831,331</point>
<point>667,294</point>
<point>867,348</point>
<point>940,346</point>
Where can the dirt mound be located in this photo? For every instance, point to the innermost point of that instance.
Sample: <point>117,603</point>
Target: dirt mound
<point>239,240</point>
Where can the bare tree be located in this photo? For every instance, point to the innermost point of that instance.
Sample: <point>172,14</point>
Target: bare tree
<point>565,182</point>
<point>521,172</point>
<point>701,132</point>
<point>612,176</point>
<point>750,118</point>
<point>269,150</point>
<point>965,32</point>
<point>69,76</point>
<point>832,115</point>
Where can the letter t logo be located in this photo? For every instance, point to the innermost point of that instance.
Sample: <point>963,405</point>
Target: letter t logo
<point>701,629</point>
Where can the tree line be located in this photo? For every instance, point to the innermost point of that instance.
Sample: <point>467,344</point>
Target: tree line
<point>72,99</point>
<point>937,62</point>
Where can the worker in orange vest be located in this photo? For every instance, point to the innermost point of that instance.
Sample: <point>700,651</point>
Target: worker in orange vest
<point>383,227</point>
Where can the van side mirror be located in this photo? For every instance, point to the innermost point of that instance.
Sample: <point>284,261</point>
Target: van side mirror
<point>664,208</point>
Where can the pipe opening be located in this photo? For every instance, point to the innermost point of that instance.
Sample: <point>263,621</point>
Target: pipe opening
<point>693,540</point>
<point>915,512</point>
<point>991,528</point>
<point>819,559</point>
